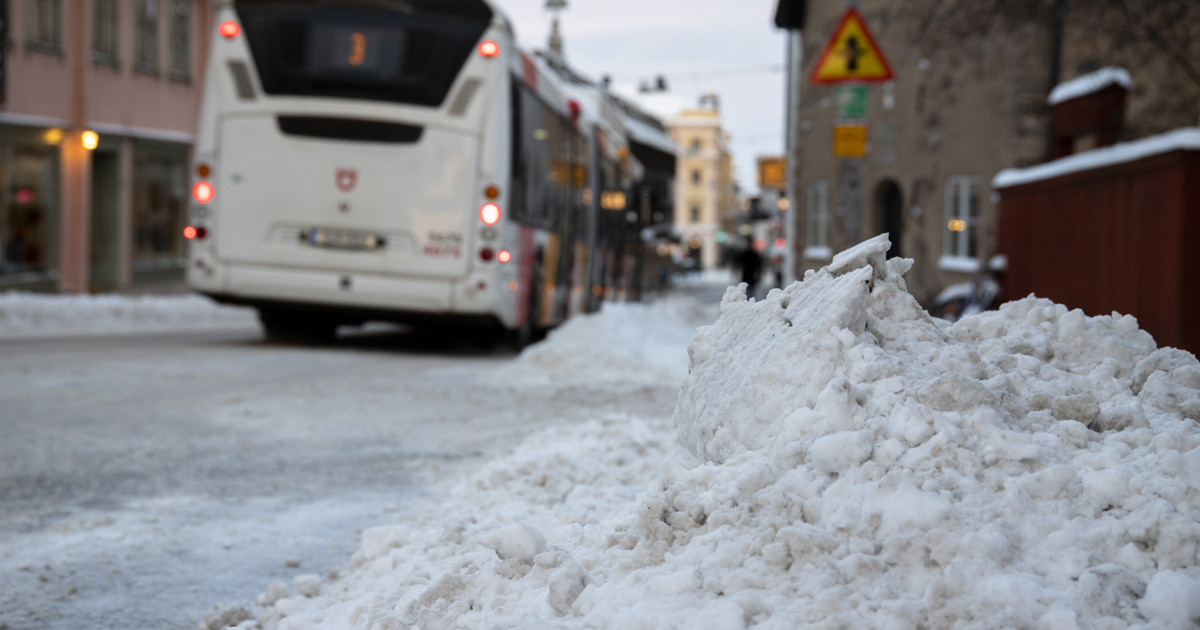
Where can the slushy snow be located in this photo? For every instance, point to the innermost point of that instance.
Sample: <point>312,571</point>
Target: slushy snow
<point>837,459</point>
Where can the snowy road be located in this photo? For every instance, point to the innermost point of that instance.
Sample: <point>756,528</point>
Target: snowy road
<point>145,478</point>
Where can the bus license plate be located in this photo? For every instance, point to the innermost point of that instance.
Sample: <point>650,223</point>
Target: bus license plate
<point>343,239</point>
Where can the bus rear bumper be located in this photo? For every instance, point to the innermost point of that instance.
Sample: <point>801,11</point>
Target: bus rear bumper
<point>354,298</point>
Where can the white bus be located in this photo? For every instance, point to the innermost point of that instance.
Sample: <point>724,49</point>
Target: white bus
<point>394,160</point>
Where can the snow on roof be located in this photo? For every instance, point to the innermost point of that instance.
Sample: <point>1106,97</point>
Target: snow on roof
<point>1180,139</point>
<point>846,461</point>
<point>1089,84</point>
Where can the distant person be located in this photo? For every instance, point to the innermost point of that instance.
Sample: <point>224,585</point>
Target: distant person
<point>751,265</point>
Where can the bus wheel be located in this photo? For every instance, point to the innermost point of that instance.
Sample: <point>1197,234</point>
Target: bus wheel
<point>285,327</point>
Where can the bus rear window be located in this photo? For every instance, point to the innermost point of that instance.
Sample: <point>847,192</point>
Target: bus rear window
<point>404,51</point>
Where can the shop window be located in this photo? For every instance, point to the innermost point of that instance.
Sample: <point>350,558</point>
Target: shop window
<point>960,250</point>
<point>818,221</point>
<point>181,40</point>
<point>159,206</point>
<point>25,221</point>
<point>104,32</point>
<point>146,36</point>
<point>43,25</point>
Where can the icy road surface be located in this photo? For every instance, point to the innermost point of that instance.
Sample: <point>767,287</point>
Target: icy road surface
<point>145,478</point>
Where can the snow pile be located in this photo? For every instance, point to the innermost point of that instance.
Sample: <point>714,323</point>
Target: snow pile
<point>37,315</point>
<point>853,463</point>
<point>627,343</point>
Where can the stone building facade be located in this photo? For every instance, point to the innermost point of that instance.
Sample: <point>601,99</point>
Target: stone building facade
<point>705,187</point>
<point>968,98</point>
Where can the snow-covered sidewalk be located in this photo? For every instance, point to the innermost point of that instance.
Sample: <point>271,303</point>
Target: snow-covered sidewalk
<point>26,315</point>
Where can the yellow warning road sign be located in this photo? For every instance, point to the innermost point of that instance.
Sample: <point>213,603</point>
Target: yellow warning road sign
<point>851,55</point>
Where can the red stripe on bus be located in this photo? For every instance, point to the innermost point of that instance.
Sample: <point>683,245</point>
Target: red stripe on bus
<point>529,71</point>
<point>525,262</point>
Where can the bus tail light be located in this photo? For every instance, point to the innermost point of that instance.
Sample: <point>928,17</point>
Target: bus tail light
<point>489,213</point>
<point>504,256</point>
<point>197,232</point>
<point>485,254</point>
<point>203,192</point>
<point>229,29</point>
<point>489,48</point>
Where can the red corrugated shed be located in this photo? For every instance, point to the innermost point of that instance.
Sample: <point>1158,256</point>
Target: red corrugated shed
<point>1118,230</point>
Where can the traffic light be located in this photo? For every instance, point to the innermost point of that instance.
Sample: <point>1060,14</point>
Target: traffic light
<point>790,14</point>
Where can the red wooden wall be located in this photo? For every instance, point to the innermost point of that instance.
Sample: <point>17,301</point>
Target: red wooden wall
<point>1122,238</point>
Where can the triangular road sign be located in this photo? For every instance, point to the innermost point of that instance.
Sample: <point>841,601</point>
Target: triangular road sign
<point>851,55</point>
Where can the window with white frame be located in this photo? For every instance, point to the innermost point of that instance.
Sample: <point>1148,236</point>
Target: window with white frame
<point>960,250</point>
<point>104,31</point>
<point>818,220</point>
<point>146,36</point>
<point>181,40</point>
<point>43,25</point>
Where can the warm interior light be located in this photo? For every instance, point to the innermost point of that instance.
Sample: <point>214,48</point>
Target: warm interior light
<point>229,29</point>
<point>504,256</point>
<point>203,192</point>
<point>489,213</point>
<point>90,140</point>
<point>54,136</point>
<point>203,170</point>
<point>489,48</point>
<point>957,225</point>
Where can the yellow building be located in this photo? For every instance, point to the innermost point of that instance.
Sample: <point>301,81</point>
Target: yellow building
<point>705,187</point>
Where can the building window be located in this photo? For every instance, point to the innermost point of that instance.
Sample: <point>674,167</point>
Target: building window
<point>695,214</point>
<point>696,177</point>
<point>43,21</point>
<point>27,210</point>
<point>104,31</point>
<point>695,147</point>
<point>961,247</point>
<point>818,221</point>
<point>146,38</point>
<point>181,40</point>
<point>159,207</point>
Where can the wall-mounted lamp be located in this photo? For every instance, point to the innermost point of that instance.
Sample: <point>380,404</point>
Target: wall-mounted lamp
<point>90,140</point>
<point>53,136</point>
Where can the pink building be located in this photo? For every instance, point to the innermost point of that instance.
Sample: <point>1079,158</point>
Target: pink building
<point>127,73</point>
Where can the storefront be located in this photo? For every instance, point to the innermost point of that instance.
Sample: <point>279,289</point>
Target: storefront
<point>29,207</point>
<point>136,204</point>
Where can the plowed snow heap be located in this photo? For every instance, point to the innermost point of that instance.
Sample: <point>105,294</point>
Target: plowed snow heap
<point>858,464</point>
<point>1032,467</point>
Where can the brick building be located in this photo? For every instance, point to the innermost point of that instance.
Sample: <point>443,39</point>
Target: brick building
<point>124,75</point>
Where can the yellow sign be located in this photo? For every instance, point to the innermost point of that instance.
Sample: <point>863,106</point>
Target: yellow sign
<point>772,173</point>
<point>852,55</point>
<point>849,141</point>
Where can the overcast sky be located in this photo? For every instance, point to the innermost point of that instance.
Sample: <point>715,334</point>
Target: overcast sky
<point>728,46</point>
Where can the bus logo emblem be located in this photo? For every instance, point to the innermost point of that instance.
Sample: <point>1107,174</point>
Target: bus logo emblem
<point>346,179</point>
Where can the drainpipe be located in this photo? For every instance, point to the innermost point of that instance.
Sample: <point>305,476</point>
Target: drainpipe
<point>1058,24</point>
